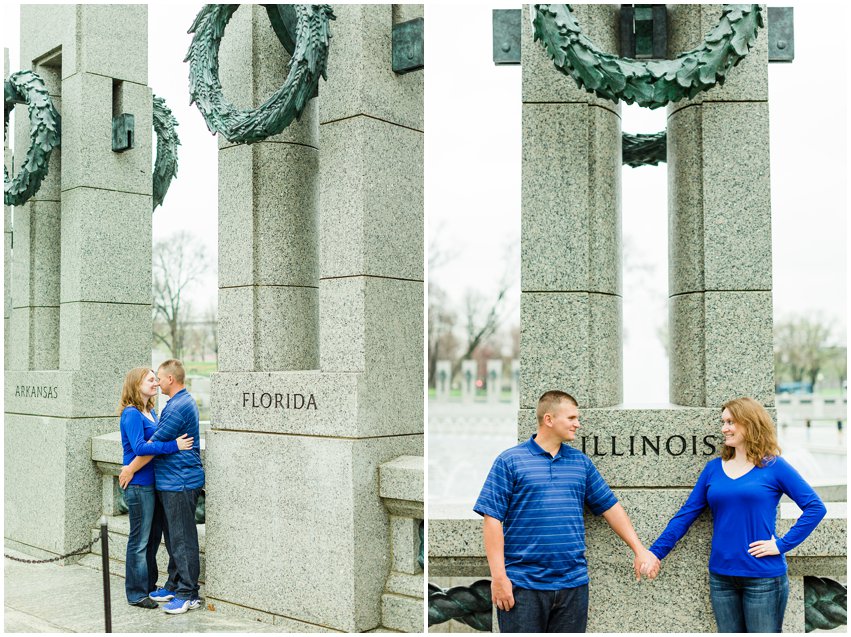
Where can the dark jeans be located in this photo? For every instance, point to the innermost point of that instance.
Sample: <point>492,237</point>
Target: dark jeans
<point>182,541</point>
<point>141,560</point>
<point>159,531</point>
<point>748,604</point>
<point>564,611</point>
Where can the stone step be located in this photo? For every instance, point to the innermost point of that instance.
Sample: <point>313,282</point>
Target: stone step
<point>402,613</point>
<point>119,529</point>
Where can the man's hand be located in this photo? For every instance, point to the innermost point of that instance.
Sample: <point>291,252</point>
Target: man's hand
<point>647,564</point>
<point>125,476</point>
<point>184,443</point>
<point>764,548</point>
<point>502,593</point>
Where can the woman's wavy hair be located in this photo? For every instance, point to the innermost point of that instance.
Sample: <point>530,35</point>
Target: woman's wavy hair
<point>131,395</point>
<point>756,427</point>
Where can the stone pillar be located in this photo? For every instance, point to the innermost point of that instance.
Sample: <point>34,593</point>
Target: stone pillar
<point>719,210</point>
<point>443,381</point>
<point>469,372</point>
<point>320,425</point>
<point>81,292</point>
<point>7,240</point>
<point>494,380</point>
<point>570,301</point>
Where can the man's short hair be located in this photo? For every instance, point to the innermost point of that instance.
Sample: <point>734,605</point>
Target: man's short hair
<point>175,368</point>
<point>550,400</point>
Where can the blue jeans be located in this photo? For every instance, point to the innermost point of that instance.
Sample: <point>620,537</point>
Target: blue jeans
<point>141,560</point>
<point>748,604</point>
<point>182,541</point>
<point>563,611</point>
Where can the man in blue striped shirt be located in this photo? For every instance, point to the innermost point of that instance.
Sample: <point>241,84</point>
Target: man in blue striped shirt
<point>534,532</point>
<point>178,483</point>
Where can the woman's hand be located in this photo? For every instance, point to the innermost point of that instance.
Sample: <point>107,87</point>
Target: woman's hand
<point>764,548</point>
<point>125,477</point>
<point>185,442</point>
<point>647,564</point>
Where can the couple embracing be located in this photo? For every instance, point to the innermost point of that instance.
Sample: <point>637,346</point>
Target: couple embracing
<point>534,533</point>
<point>162,480</point>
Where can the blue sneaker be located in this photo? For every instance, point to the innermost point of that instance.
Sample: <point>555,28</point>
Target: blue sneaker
<point>177,606</point>
<point>194,603</point>
<point>161,595</point>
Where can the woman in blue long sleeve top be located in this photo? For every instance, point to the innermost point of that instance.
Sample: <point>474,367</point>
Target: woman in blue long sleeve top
<point>138,423</point>
<point>747,569</point>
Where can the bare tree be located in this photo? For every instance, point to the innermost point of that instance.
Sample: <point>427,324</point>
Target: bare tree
<point>801,348</point>
<point>179,262</point>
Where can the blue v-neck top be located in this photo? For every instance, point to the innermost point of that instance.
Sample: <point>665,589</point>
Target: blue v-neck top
<point>744,510</point>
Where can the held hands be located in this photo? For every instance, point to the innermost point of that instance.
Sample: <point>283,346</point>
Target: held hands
<point>647,564</point>
<point>501,593</point>
<point>184,443</point>
<point>763,548</point>
<point>125,476</point>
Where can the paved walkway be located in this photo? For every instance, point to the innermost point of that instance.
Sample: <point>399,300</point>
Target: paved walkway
<point>47,598</point>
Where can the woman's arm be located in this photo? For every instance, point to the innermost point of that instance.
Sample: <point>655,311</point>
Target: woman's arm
<point>135,428</point>
<point>688,513</point>
<point>813,509</point>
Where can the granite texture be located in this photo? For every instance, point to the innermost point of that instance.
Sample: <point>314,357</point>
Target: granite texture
<point>406,584</point>
<point>402,479</point>
<point>113,41</point>
<point>50,457</point>
<point>106,240</point>
<point>746,82</point>
<point>720,208</point>
<point>253,65</point>
<point>828,539</point>
<point>268,328</point>
<point>268,215</point>
<point>375,325</point>
<point>339,520</point>
<point>571,341</point>
<point>107,450</point>
<point>687,370</point>
<point>570,223</point>
<point>360,78</point>
<point>736,196</point>
<point>44,340</point>
<point>721,347</point>
<point>48,27</point>
<point>542,82</point>
<point>41,231</point>
<point>686,438</point>
<point>793,620</point>
<point>404,545</point>
<point>104,340</point>
<point>348,405</point>
<point>739,347</point>
<point>87,136</point>
<point>402,613</point>
<point>19,355</point>
<point>371,220</point>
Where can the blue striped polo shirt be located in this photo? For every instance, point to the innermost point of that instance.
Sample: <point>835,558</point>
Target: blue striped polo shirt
<point>540,501</point>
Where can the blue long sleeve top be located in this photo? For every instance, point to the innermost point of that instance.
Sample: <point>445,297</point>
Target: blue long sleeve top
<point>184,470</point>
<point>744,510</point>
<point>136,430</point>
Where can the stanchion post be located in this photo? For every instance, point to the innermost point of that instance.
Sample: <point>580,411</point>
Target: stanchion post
<point>104,550</point>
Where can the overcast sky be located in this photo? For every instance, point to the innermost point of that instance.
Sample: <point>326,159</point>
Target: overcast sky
<point>473,169</point>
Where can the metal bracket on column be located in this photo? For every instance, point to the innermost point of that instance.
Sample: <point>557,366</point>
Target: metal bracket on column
<point>123,132</point>
<point>644,31</point>
<point>781,34</point>
<point>407,43</point>
<point>506,36</point>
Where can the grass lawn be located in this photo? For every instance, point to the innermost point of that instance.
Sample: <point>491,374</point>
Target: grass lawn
<point>200,368</point>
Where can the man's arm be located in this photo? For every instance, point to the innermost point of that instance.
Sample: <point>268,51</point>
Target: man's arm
<point>501,591</point>
<point>617,518</point>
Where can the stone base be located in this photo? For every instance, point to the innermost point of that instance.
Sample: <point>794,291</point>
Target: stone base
<point>315,507</point>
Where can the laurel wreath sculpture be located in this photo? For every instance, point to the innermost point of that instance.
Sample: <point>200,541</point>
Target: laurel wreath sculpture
<point>653,83</point>
<point>26,87</point>
<point>165,164</point>
<point>825,604</point>
<point>471,605</point>
<point>644,149</point>
<point>307,65</point>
